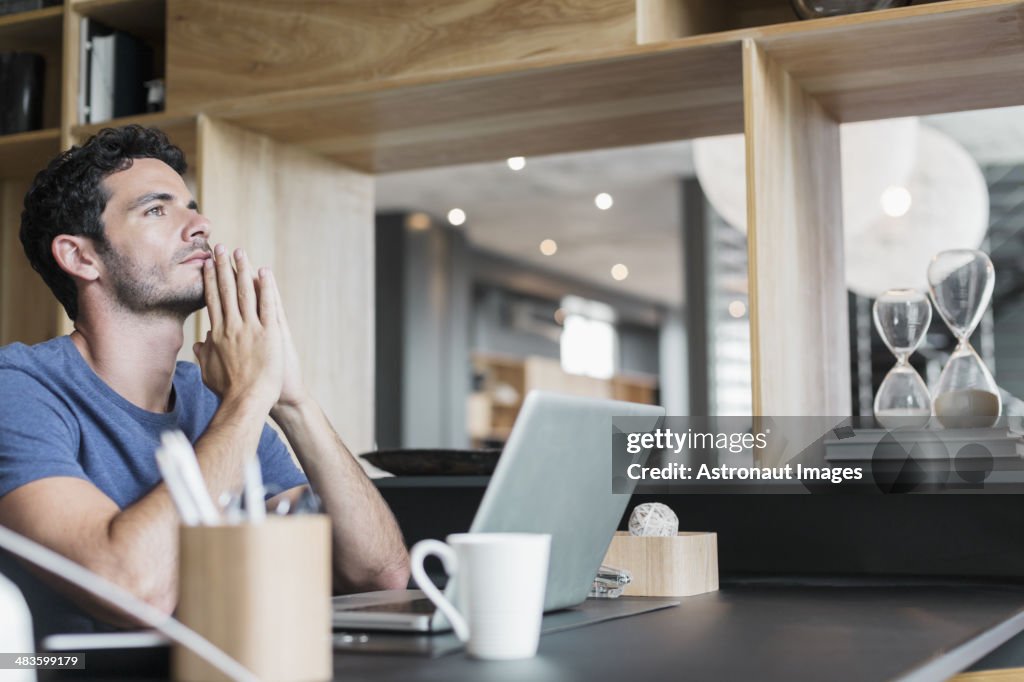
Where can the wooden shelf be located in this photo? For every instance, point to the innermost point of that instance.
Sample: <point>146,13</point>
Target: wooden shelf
<point>932,58</point>
<point>936,58</point>
<point>641,95</point>
<point>34,25</point>
<point>22,155</point>
<point>180,128</point>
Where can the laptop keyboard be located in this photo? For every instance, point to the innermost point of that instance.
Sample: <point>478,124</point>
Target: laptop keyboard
<point>416,606</point>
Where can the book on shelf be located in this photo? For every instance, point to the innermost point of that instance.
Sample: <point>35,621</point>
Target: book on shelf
<point>113,71</point>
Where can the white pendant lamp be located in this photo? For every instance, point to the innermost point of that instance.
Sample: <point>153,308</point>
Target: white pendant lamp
<point>875,156</point>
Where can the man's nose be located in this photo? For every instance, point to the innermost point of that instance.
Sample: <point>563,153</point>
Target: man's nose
<point>198,227</point>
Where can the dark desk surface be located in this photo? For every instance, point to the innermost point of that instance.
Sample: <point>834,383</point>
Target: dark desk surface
<point>757,630</point>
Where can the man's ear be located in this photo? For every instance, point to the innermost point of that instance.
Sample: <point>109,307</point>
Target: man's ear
<point>76,256</point>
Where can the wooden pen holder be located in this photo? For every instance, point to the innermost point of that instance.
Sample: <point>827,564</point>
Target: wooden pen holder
<point>262,593</point>
<point>676,566</point>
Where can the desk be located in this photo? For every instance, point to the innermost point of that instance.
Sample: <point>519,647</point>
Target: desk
<point>764,630</point>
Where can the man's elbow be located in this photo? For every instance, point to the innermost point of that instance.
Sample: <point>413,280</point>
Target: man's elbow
<point>162,598</point>
<point>157,591</point>
<point>394,579</point>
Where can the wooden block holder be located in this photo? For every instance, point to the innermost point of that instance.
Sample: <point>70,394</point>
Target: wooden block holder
<point>262,593</point>
<point>679,566</point>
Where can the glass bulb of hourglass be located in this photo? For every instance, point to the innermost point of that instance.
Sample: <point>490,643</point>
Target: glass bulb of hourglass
<point>961,283</point>
<point>902,317</point>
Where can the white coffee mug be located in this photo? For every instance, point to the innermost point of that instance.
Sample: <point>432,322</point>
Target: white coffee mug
<point>499,581</point>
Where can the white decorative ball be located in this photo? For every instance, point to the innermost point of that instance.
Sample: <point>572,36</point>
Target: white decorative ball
<point>653,519</point>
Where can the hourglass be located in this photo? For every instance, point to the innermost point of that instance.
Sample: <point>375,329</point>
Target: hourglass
<point>902,317</point>
<point>966,395</point>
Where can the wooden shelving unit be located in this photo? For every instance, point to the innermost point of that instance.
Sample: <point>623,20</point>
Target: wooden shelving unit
<point>38,31</point>
<point>945,56</point>
<point>376,92</point>
<point>506,380</point>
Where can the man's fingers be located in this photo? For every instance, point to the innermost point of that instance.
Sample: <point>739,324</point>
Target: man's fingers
<point>246,287</point>
<point>213,308</point>
<point>269,303</point>
<point>226,285</point>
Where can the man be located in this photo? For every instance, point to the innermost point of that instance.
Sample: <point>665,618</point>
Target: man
<point>115,233</point>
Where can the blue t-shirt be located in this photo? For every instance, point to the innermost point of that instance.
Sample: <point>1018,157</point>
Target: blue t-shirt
<point>58,418</point>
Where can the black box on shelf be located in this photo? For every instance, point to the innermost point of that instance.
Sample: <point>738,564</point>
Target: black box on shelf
<point>21,81</point>
<point>14,6</point>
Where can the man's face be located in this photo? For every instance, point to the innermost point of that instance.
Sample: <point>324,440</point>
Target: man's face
<point>156,241</point>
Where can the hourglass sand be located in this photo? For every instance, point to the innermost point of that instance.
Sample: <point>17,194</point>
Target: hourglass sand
<point>966,395</point>
<point>902,317</point>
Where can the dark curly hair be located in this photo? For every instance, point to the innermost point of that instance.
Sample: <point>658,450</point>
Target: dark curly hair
<point>67,197</point>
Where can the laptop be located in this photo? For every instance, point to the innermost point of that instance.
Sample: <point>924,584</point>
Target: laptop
<point>554,476</point>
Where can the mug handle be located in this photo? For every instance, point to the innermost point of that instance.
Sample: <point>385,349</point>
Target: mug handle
<point>420,551</point>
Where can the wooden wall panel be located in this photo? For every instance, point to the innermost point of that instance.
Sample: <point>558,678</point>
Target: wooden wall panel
<point>312,221</point>
<point>26,304</point>
<point>246,47</point>
<point>799,332</point>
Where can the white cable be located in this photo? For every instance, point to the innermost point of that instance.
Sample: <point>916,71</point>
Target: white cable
<point>123,600</point>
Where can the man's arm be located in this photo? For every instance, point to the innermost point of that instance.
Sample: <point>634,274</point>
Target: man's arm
<point>369,553</point>
<point>137,547</point>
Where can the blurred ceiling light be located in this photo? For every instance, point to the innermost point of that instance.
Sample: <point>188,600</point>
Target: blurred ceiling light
<point>417,221</point>
<point>737,309</point>
<point>548,247</point>
<point>620,271</point>
<point>456,216</point>
<point>516,163</point>
<point>603,201</point>
<point>896,201</point>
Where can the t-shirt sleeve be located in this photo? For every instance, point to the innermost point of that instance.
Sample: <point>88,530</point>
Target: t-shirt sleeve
<point>37,435</point>
<point>279,469</point>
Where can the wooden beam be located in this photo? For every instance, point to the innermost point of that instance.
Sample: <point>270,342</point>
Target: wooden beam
<point>247,47</point>
<point>549,108</point>
<point>943,57</point>
<point>799,330</point>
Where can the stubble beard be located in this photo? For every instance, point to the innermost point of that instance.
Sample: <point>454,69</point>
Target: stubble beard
<point>142,290</point>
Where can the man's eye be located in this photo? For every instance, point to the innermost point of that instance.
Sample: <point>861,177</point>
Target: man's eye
<point>156,210</point>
